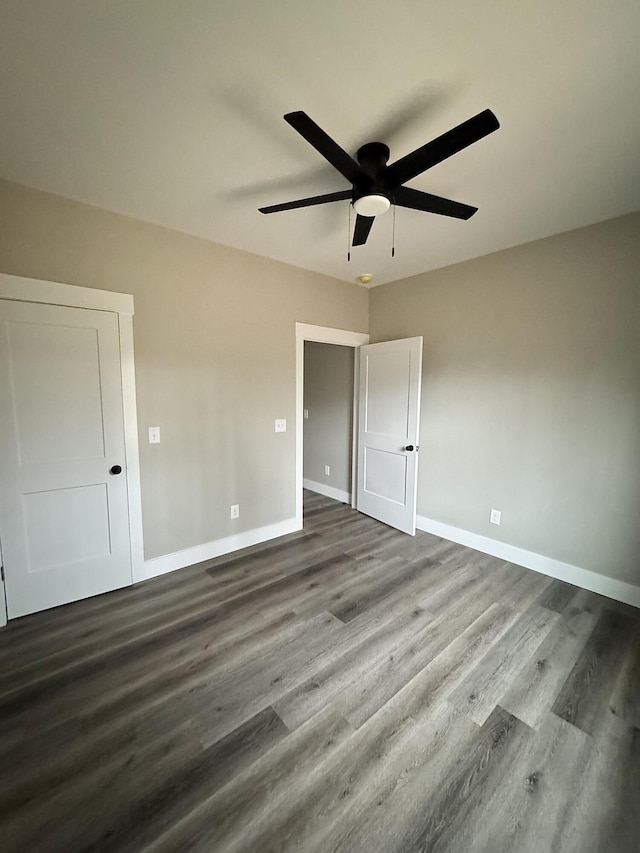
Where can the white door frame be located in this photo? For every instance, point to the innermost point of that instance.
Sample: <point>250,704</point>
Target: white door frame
<point>323,335</point>
<point>20,289</point>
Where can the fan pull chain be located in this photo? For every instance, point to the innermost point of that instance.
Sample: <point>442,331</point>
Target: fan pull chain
<point>349,235</point>
<point>393,239</point>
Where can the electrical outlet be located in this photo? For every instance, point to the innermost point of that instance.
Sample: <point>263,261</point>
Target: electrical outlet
<point>494,516</point>
<point>281,425</point>
<point>235,511</point>
<point>305,414</point>
<point>327,470</point>
<point>154,435</point>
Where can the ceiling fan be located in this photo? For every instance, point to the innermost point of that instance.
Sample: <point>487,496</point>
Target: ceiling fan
<point>376,186</point>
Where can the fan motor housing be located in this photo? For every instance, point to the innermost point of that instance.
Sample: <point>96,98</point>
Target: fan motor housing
<point>373,157</point>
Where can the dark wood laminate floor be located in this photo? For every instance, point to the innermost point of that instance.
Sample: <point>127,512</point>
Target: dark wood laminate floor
<point>347,688</point>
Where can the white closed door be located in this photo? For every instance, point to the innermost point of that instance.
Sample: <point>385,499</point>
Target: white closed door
<point>388,431</point>
<point>64,523</point>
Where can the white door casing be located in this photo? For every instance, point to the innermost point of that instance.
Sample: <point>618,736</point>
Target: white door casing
<point>388,431</point>
<point>59,438</point>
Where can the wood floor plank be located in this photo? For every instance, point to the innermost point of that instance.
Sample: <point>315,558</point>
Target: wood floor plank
<point>174,795</point>
<point>557,596</point>
<point>575,793</point>
<point>584,697</point>
<point>338,807</point>
<point>625,699</point>
<point>533,692</point>
<point>339,682</point>
<point>440,677</point>
<point>411,579</point>
<point>377,685</point>
<point>218,705</point>
<point>469,786</point>
<point>58,694</point>
<point>460,579</point>
<point>521,590</point>
<point>246,803</point>
<point>353,585</point>
<point>602,811</point>
<point>502,663</point>
<point>452,790</point>
<point>527,811</point>
<point>161,682</point>
<point>84,806</point>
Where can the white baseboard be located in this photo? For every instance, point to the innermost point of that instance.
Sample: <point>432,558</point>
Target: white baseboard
<point>189,556</point>
<point>327,491</point>
<point>612,588</point>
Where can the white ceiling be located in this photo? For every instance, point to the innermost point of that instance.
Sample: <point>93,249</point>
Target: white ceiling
<point>171,111</point>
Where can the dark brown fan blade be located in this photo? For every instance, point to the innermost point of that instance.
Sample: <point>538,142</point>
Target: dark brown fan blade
<point>439,149</point>
<point>416,200</point>
<point>307,202</point>
<point>323,143</point>
<point>361,231</point>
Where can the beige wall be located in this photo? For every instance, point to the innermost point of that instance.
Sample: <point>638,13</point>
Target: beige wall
<point>531,393</point>
<point>328,397</point>
<point>215,355</point>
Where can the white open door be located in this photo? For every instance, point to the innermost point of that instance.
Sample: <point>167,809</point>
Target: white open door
<point>388,431</point>
<point>64,523</point>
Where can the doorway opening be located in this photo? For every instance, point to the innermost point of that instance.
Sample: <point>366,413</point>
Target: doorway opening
<point>341,338</point>
<point>387,376</point>
<point>328,416</point>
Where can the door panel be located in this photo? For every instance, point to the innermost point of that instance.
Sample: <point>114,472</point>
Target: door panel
<point>385,474</point>
<point>55,372</point>
<point>388,372</point>
<point>64,521</point>
<point>51,544</point>
<point>388,418</point>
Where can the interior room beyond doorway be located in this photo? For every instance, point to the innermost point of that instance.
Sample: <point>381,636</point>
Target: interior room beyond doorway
<point>328,419</point>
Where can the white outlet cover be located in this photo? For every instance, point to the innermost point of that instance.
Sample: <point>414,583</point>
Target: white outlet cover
<point>234,511</point>
<point>154,435</point>
<point>305,414</point>
<point>495,516</point>
<point>281,425</point>
<point>327,470</point>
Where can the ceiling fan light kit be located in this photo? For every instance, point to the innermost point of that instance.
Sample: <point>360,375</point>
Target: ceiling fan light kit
<point>372,204</point>
<point>375,186</point>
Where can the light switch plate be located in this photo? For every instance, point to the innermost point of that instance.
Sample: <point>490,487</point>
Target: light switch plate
<point>281,425</point>
<point>154,435</point>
